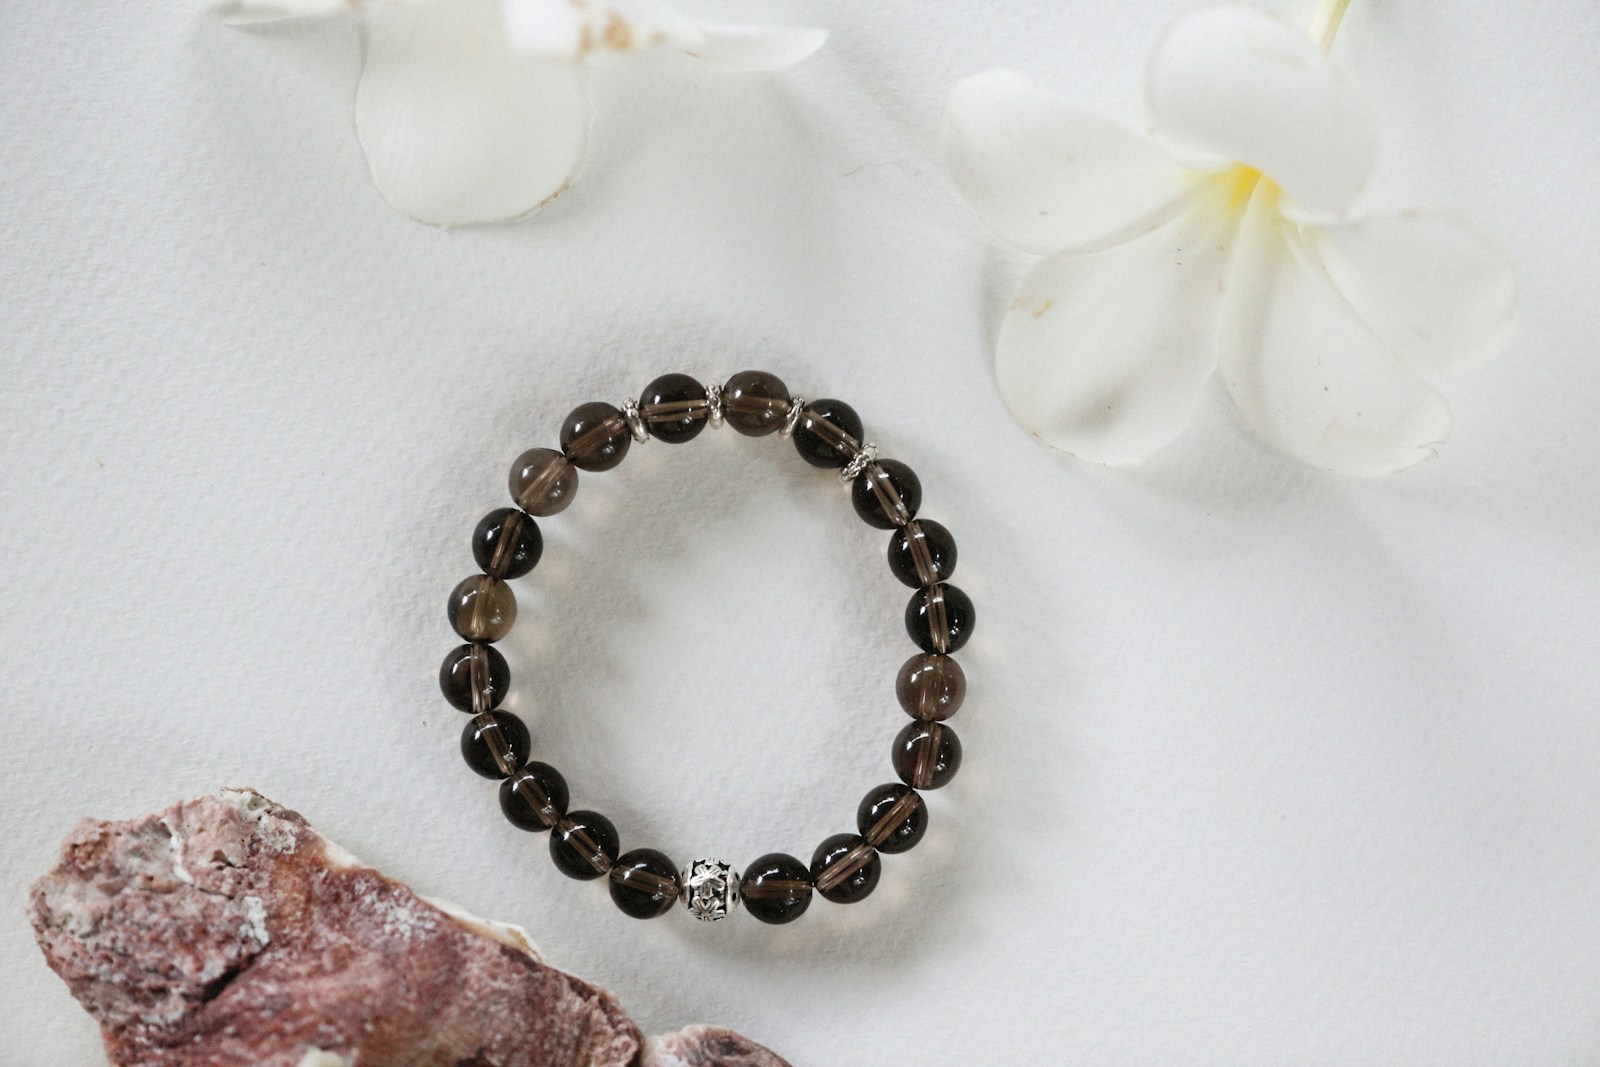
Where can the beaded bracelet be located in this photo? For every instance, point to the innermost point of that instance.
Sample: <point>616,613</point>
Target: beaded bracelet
<point>507,544</point>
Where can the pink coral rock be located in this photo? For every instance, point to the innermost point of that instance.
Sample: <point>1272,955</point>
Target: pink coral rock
<point>226,932</point>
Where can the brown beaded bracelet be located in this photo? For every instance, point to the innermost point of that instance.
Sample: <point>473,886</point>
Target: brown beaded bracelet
<point>507,544</point>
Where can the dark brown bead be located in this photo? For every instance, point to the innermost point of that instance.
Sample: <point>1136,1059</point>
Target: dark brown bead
<point>887,494</point>
<point>845,869</point>
<point>474,678</point>
<point>926,755</point>
<point>507,543</point>
<point>755,403</point>
<point>543,481</point>
<point>922,553</point>
<point>940,618</point>
<point>644,883</point>
<point>584,845</point>
<point>595,436</point>
<point>776,888</point>
<point>828,433</point>
<point>931,687</point>
<point>674,408</point>
<point>535,798</point>
<point>495,744</point>
<point>892,818</point>
<point>482,608</point>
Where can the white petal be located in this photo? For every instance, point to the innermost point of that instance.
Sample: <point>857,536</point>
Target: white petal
<point>456,128</point>
<point>1048,176</point>
<point>1433,284</point>
<point>1307,373</point>
<point>255,12</point>
<point>570,31</point>
<point>752,48</point>
<point>1246,85</point>
<point>1104,354</point>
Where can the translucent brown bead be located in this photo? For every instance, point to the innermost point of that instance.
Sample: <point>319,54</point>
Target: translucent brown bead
<point>931,687</point>
<point>845,869</point>
<point>776,888</point>
<point>644,883</point>
<point>474,678</point>
<point>828,433</point>
<point>887,494</point>
<point>482,608</point>
<point>535,798</point>
<point>584,845</point>
<point>543,481</point>
<point>922,553</point>
<point>507,543</point>
<point>674,408</point>
<point>892,818</point>
<point>595,436</point>
<point>940,618</point>
<point>755,403</point>
<point>926,755</point>
<point>495,744</point>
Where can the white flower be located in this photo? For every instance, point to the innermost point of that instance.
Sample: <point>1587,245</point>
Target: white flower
<point>478,110</point>
<point>1224,247</point>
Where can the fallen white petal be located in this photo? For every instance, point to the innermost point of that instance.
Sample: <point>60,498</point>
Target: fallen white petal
<point>1244,84</point>
<point>1104,354</point>
<point>456,128</point>
<point>755,48</point>
<point>570,31</point>
<point>255,12</point>
<point>1308,375</point>
<point>1435,285</point>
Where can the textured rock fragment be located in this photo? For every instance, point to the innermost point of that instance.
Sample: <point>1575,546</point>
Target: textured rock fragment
<point>225,931</point>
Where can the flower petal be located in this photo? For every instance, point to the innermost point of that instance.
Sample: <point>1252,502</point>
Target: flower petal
<point>1435,285</point>
<point>1048,176</point>
<point>569,31</point>
<point>256,12</point>
<point>1306,372</point>
<point>752,48</point>
<point>1246,85</point>
<point>1104,354</point>
<point>456,128</point>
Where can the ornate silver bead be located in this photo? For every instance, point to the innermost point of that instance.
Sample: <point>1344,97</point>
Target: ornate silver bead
<point>792,418</point>
<point>714,412</point>
<point>710,890</point>
<point>636,426</point>
<point>862,459</point>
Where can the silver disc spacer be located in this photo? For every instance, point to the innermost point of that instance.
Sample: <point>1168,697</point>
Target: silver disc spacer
<point>714,411</point>
<point>862,459</point>
<point>636,426</point>
<point>710,890</point>
<point>792,419</point>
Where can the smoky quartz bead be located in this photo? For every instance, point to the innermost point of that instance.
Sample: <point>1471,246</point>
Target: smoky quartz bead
<point>926,755</point>
<point>482,608</point>
<point>922,553</point>
<point>644,883</point>
<point>828,433</point>
<point>507,543</point>
<point>887,494</point>
<point>931,687</point>
<point>776,888</point>
<point>584,845</point>
<point>755,403</point>
<point>535,798</point>
<point>892,818</point>
<point>543,481</point>
<point>845,869</point>
<point>474,678</point>
<point>940,618</point>
<point>674,408</point>
<point>595,436</point>
<point>495,744</point>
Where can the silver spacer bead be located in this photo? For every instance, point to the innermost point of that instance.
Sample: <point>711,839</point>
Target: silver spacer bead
<point>710,890</point>
<point>797,404</point>
<point>714,399</point>
<point>853,469</point>
<point>636,426</point>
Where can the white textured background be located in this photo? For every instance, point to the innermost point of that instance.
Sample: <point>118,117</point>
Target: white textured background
<point>1263,767</point>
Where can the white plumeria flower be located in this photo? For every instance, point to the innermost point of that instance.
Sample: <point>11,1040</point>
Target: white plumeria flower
<point>1224,247</point>
<point>478,110</point>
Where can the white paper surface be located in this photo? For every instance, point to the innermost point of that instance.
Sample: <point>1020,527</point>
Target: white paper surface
<point>1262,766</point>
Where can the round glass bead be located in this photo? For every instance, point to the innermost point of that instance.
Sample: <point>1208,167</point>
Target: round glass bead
<point>940,618</point>
<point>675,408</point>
<point>922,553</point>
<point>845,869</point>
<point>474,678</point>
<point>828,433</point>
<point>507,543</point>
<point>595,436</point>
<point>926,755</point>
<point>892,818</point>
<point>755,403</point>
<point>543,481</point>
<point>644,883</point>
<point>535,798</point>
<point>931,687</point>
<point>584,845</point>
<point>776,888</point>
<point>495,744</point>
<point>482,608</point>
<point>887,494</point>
